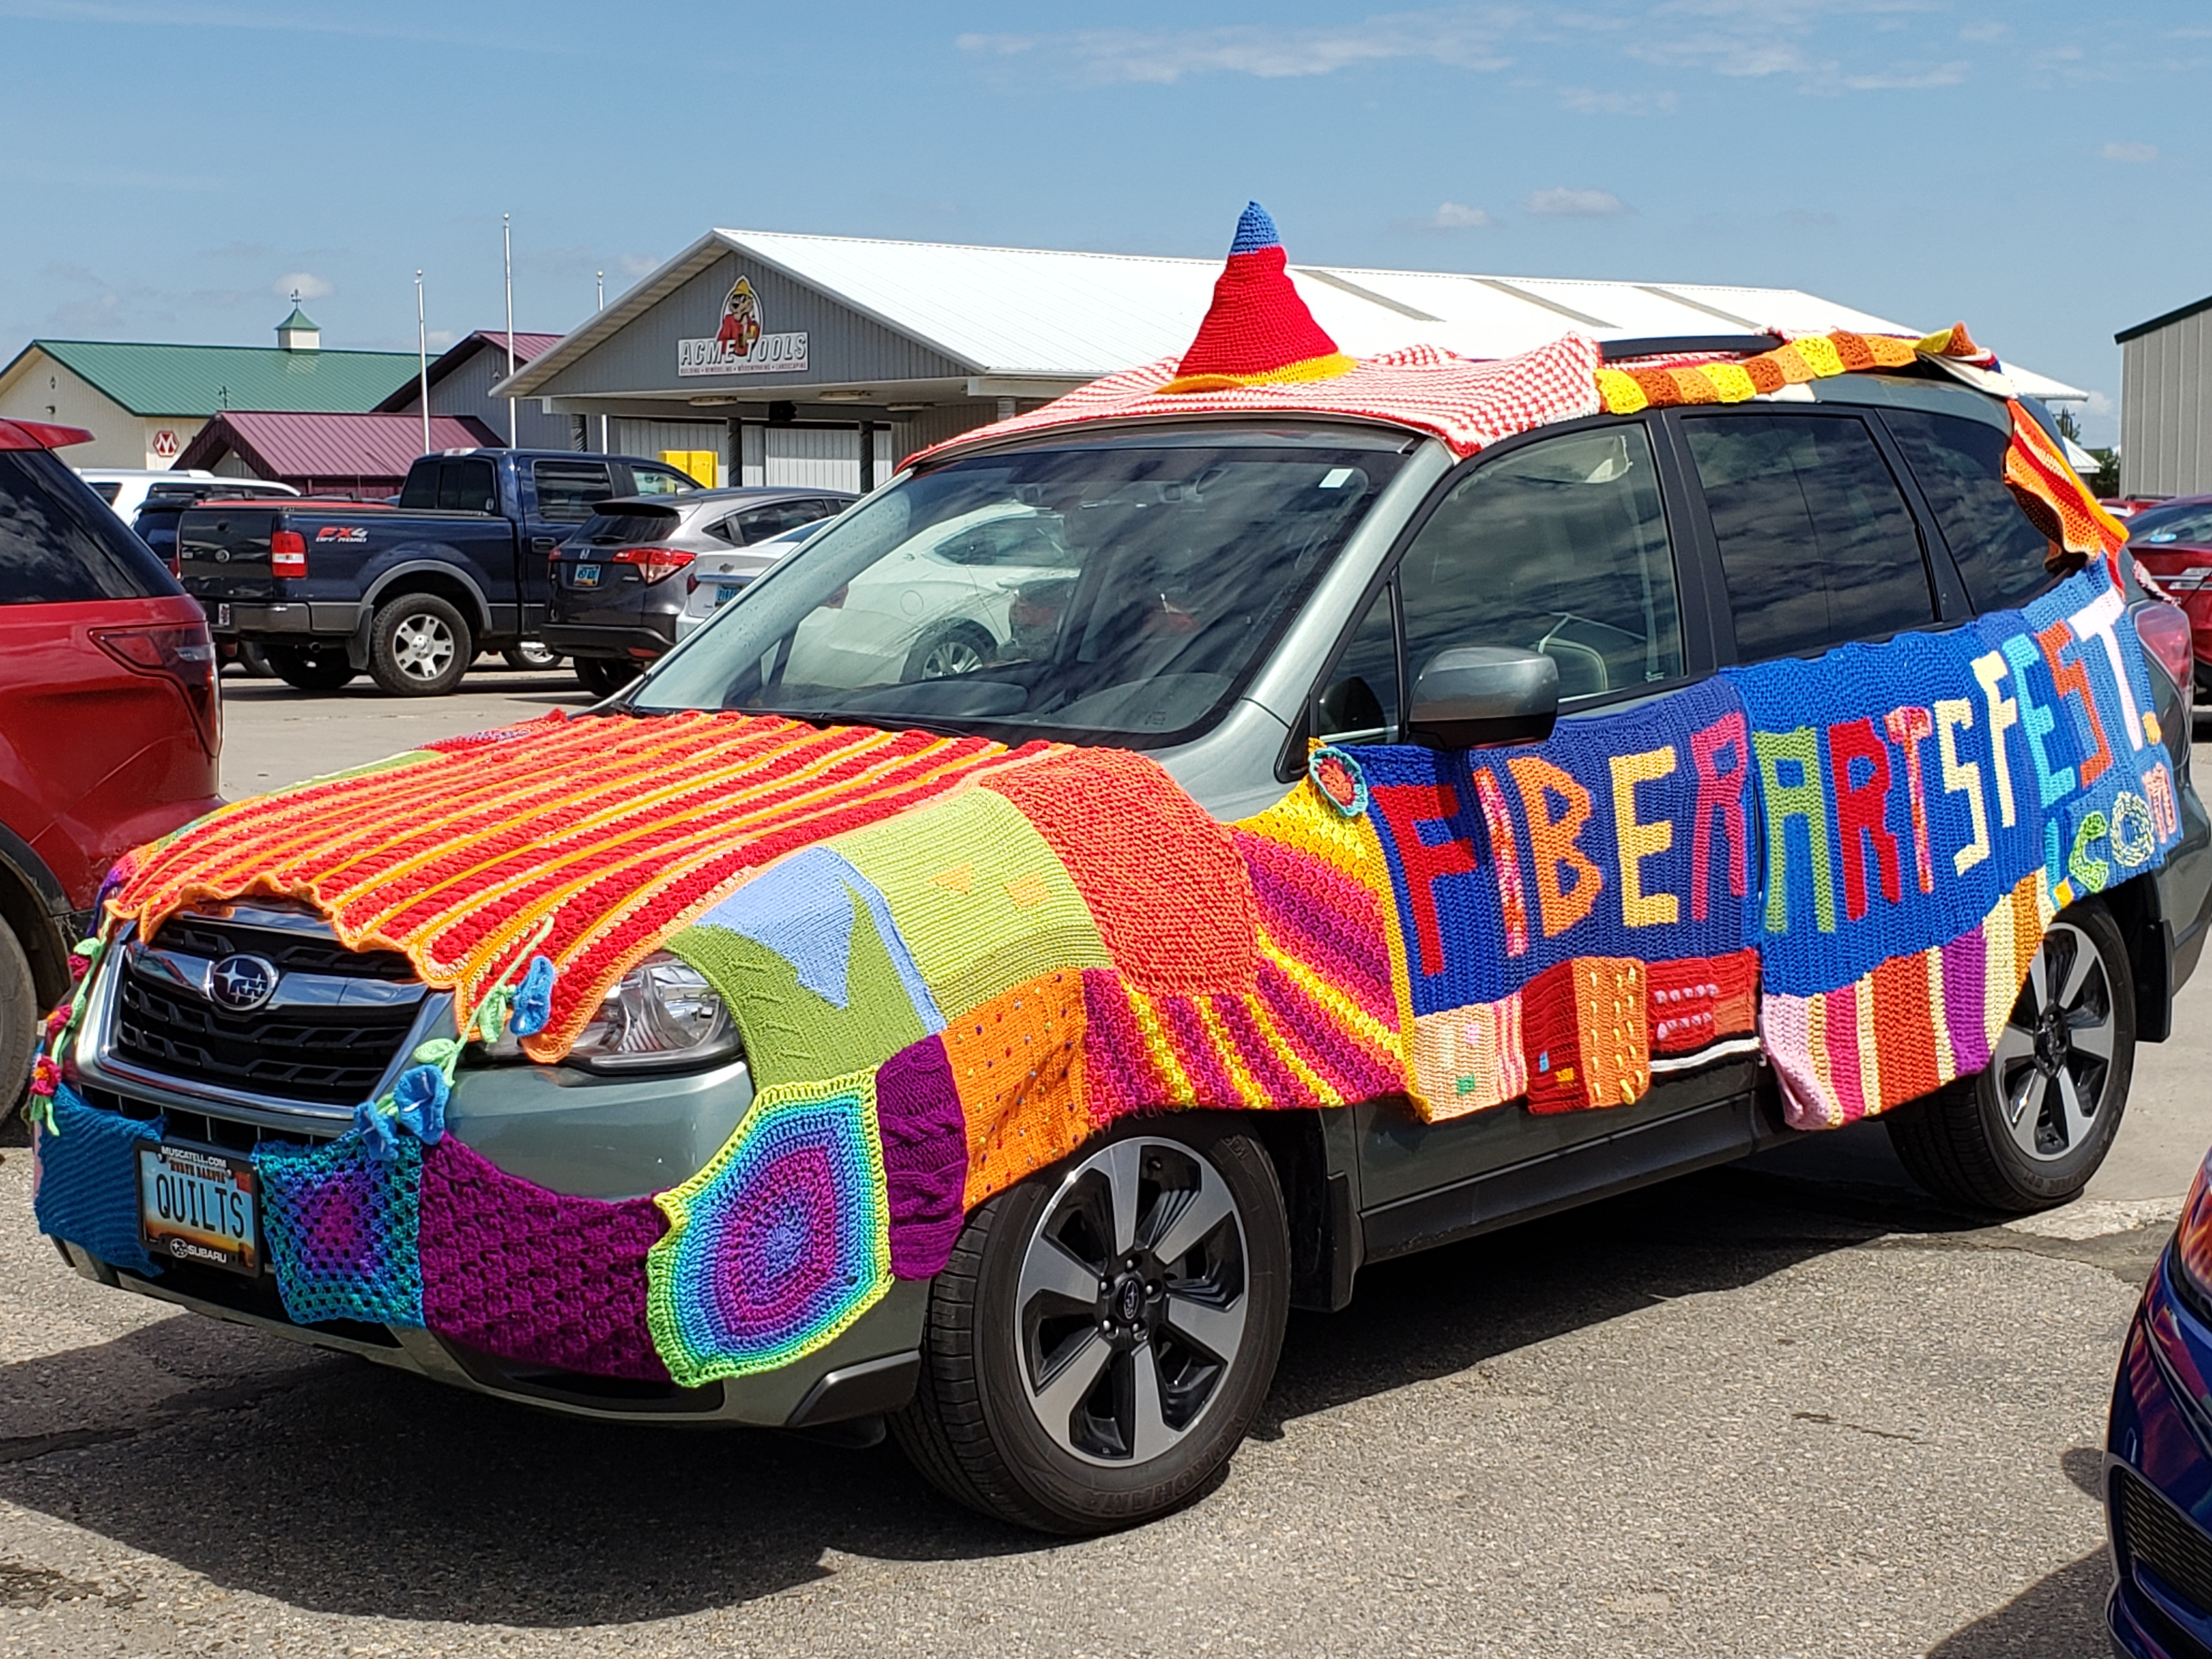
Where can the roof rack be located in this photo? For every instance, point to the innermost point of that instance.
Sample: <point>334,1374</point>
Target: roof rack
<point>1659,345</point>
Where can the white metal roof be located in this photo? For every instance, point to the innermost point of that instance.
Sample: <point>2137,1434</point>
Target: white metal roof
<point>1051,315</point>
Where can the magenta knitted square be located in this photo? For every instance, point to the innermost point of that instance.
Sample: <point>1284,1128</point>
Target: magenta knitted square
<point>925,1135</point>
<point>517,1271</point>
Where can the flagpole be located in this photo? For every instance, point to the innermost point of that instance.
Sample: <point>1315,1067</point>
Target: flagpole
<point>422,360</point>
<point>603,306</point>
<point>507,238</point>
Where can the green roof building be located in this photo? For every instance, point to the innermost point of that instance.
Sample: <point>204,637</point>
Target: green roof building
<point>143,404</point>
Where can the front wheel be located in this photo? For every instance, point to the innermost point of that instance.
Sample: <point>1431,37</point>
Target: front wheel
<point>419,645</point>
<point>318,665</point>
<point>1104,1332</point>
<point>19,1021</point>
<point>2028,1130</point>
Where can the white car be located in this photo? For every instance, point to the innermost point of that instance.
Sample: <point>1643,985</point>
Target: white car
<point>715,579</point>
<point>125,488</point>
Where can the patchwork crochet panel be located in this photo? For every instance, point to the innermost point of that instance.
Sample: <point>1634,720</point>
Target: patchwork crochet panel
<point>87,1180</point>
<point>343,1229</point>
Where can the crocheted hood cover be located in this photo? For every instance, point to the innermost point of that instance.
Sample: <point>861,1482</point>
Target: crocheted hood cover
<point>951,963</point>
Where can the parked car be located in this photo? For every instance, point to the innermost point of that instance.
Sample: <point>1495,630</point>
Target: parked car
<point>2173,541</point>
<point>2157,1484</point>
<point>410,595</point>
<point>715,579</point>
<point>614,600</point>
<point>110,721</point>
<point>125,488</point>
<point>1497,653</point>
<point>165,501</point>
<point>2127,506</point>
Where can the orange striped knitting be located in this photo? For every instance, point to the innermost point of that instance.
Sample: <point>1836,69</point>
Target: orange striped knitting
<point>2054,497</point>
<point>611,832</point>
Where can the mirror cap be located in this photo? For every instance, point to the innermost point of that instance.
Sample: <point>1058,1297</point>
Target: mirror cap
<point>1473,695</point>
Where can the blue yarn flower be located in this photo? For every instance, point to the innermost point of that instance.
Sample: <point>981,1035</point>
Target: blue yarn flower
<point>419,1097</point>
<point>533,1000</point>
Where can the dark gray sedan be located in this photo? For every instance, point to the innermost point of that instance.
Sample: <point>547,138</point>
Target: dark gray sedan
<point>618,583</point>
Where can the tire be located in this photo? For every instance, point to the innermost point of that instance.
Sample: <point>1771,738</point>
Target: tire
<point>419,645</point>
<point>19,1022</point>
<point>604,676</point>
<point>318,666</point>
<point>1022,1295</point>
<point>530,655</point>
<point>2028,1130</point>
<point>948,652</point>
<point>255,661</point>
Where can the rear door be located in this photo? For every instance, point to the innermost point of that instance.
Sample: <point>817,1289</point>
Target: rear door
<point>1560,544</point>
<point>565,494</point>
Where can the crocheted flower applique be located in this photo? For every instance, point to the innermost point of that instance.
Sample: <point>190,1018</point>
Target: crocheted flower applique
<point>1338,777</point>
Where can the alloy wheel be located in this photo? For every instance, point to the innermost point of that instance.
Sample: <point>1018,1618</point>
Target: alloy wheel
<point>1131,1305</point>
<point>2054,1059</point>
<point>954,654</point>
<point>423,646</point>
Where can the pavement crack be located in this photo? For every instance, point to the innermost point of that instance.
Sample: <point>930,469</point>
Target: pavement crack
<point>1838,1422</point>
<point>22,1448</point>
<point>187,1402</point>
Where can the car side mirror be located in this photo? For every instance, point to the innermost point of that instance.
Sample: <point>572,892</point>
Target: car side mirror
<point>1472,695</point>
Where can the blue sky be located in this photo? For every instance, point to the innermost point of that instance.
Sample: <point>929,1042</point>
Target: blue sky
<point>176,168</point>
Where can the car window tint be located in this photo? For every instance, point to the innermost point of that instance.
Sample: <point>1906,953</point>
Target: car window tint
<point>467,487</point>
<point>1359,699</point>
<point>1816,538</point>
<point>654,480</point>
<point>1960,466</point>
<point>2191,527</point>
<point>57,542</point>
<point>1559,547</point>
<point>757,524</point>
<point>566,490</point>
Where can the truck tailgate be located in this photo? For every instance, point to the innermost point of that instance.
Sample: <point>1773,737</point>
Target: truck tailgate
<point>222,553</point>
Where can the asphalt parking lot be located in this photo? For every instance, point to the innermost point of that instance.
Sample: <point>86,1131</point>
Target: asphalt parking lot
<point>1788,1409</point>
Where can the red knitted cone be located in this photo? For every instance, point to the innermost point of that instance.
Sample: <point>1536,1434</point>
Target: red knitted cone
<point>1257,328</point>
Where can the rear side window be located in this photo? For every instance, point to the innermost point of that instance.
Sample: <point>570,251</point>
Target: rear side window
<point>1960,466</point>
<point>1815,539</point>
<point>655,481</point>
<point>566,490</point>
<point>2190,526</point>
<point>57,544</point>
<point>1560,547</point>
<point>451,486</point>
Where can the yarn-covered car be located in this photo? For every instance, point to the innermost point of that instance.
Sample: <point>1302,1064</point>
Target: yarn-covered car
<point>1422,793</point>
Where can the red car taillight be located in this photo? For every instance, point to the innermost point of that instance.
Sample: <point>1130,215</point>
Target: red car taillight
<point>2166,632</point>
<point>288,553</point>
<point>653,563</point>
<point>183,653</point>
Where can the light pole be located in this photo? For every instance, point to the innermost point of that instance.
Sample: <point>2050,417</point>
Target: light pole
<point>422,360</point>
<point>507,240</point>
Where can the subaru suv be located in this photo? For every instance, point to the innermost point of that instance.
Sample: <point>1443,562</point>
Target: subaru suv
<point>1350,840</point>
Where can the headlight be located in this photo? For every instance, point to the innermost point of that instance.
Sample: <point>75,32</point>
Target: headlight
<point>662,1012</point>
<point>2192,1239</point>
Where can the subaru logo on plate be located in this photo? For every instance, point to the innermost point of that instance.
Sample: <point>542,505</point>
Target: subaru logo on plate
<point>241,983</point>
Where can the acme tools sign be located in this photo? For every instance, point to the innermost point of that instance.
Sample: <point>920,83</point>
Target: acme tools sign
<point>737,345</point>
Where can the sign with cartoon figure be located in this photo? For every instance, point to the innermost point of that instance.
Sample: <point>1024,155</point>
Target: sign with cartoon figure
<point>739,343</point>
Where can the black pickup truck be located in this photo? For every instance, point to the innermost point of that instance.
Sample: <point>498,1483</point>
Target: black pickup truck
<point>410,595</point>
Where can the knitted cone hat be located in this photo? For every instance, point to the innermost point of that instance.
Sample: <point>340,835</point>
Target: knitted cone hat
<point>1258,329</point>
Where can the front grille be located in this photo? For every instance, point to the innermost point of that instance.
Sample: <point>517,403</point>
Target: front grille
<point>2148,1532</point>
<point>319,1048</point>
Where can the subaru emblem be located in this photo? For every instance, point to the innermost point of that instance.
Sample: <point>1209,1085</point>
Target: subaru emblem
<point>241,983</point>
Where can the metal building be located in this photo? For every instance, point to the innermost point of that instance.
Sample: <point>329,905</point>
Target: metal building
<point>461,380</point>
<point>2165,403</point>
<point>824,359</point>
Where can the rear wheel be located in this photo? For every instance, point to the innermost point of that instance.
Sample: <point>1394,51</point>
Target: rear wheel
<point>19,1021</point>
<point>530,654</point>
<point>318,665</point>
<point>604,676</point>
<point>419,645</point>
<point>954,649</point>
<point>1104,1332</point>
<point>2030,1129</point>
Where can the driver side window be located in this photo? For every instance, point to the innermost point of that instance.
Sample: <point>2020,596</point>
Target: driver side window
<point>1559,546</point>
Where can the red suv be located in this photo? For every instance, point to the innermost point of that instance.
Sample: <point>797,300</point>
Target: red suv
<point>109,723</point>
<point>2173,542</point>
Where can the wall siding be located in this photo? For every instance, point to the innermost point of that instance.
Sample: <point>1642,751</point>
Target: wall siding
<point>2165,409</point>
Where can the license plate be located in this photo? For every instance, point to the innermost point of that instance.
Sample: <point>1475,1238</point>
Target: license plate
<point>222,616</point>
<point>196,1204</point>
<point>588,575</point>
<point>724,592</point>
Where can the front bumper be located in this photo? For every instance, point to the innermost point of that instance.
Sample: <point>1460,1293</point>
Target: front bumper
<point>564,1128</point>
<point>2158,1481</point>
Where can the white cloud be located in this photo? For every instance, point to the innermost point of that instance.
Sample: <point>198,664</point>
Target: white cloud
<point>1582,101</point>
<point>1984,32</point>
<point>2098,403</point>
<point>305,283</point>
<point>1909,80</point>
<point>1566,202</point>
<point>2137,153</point>
<point>1462,38</point>
<point>1456,215</point>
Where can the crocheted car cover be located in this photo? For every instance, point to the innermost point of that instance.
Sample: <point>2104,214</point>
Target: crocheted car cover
<point>86,1181</point>
<point>952,965</point>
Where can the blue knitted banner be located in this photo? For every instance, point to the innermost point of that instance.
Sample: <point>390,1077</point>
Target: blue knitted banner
<point>1627,834</point>
<point>88,1184</point>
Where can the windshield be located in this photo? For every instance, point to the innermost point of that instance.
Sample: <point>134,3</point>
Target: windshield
<point>1123,592</point>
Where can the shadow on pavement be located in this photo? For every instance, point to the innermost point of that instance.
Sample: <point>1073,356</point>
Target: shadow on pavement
<point>344,1488</point>
<point>2058,1616</point>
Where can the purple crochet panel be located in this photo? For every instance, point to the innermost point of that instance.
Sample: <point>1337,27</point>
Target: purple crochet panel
<point>514,1270</point>
<point>925,1137</point>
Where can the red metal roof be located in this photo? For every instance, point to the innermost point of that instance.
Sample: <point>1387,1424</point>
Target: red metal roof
<point>295,449</point>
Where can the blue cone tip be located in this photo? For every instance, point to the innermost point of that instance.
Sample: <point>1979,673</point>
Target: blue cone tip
<point>1255,231</point>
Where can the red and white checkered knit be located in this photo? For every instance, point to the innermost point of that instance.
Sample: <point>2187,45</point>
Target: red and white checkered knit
<point>1468,404</point>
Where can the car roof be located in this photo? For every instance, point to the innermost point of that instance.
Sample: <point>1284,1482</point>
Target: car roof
<point>691,499</point>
